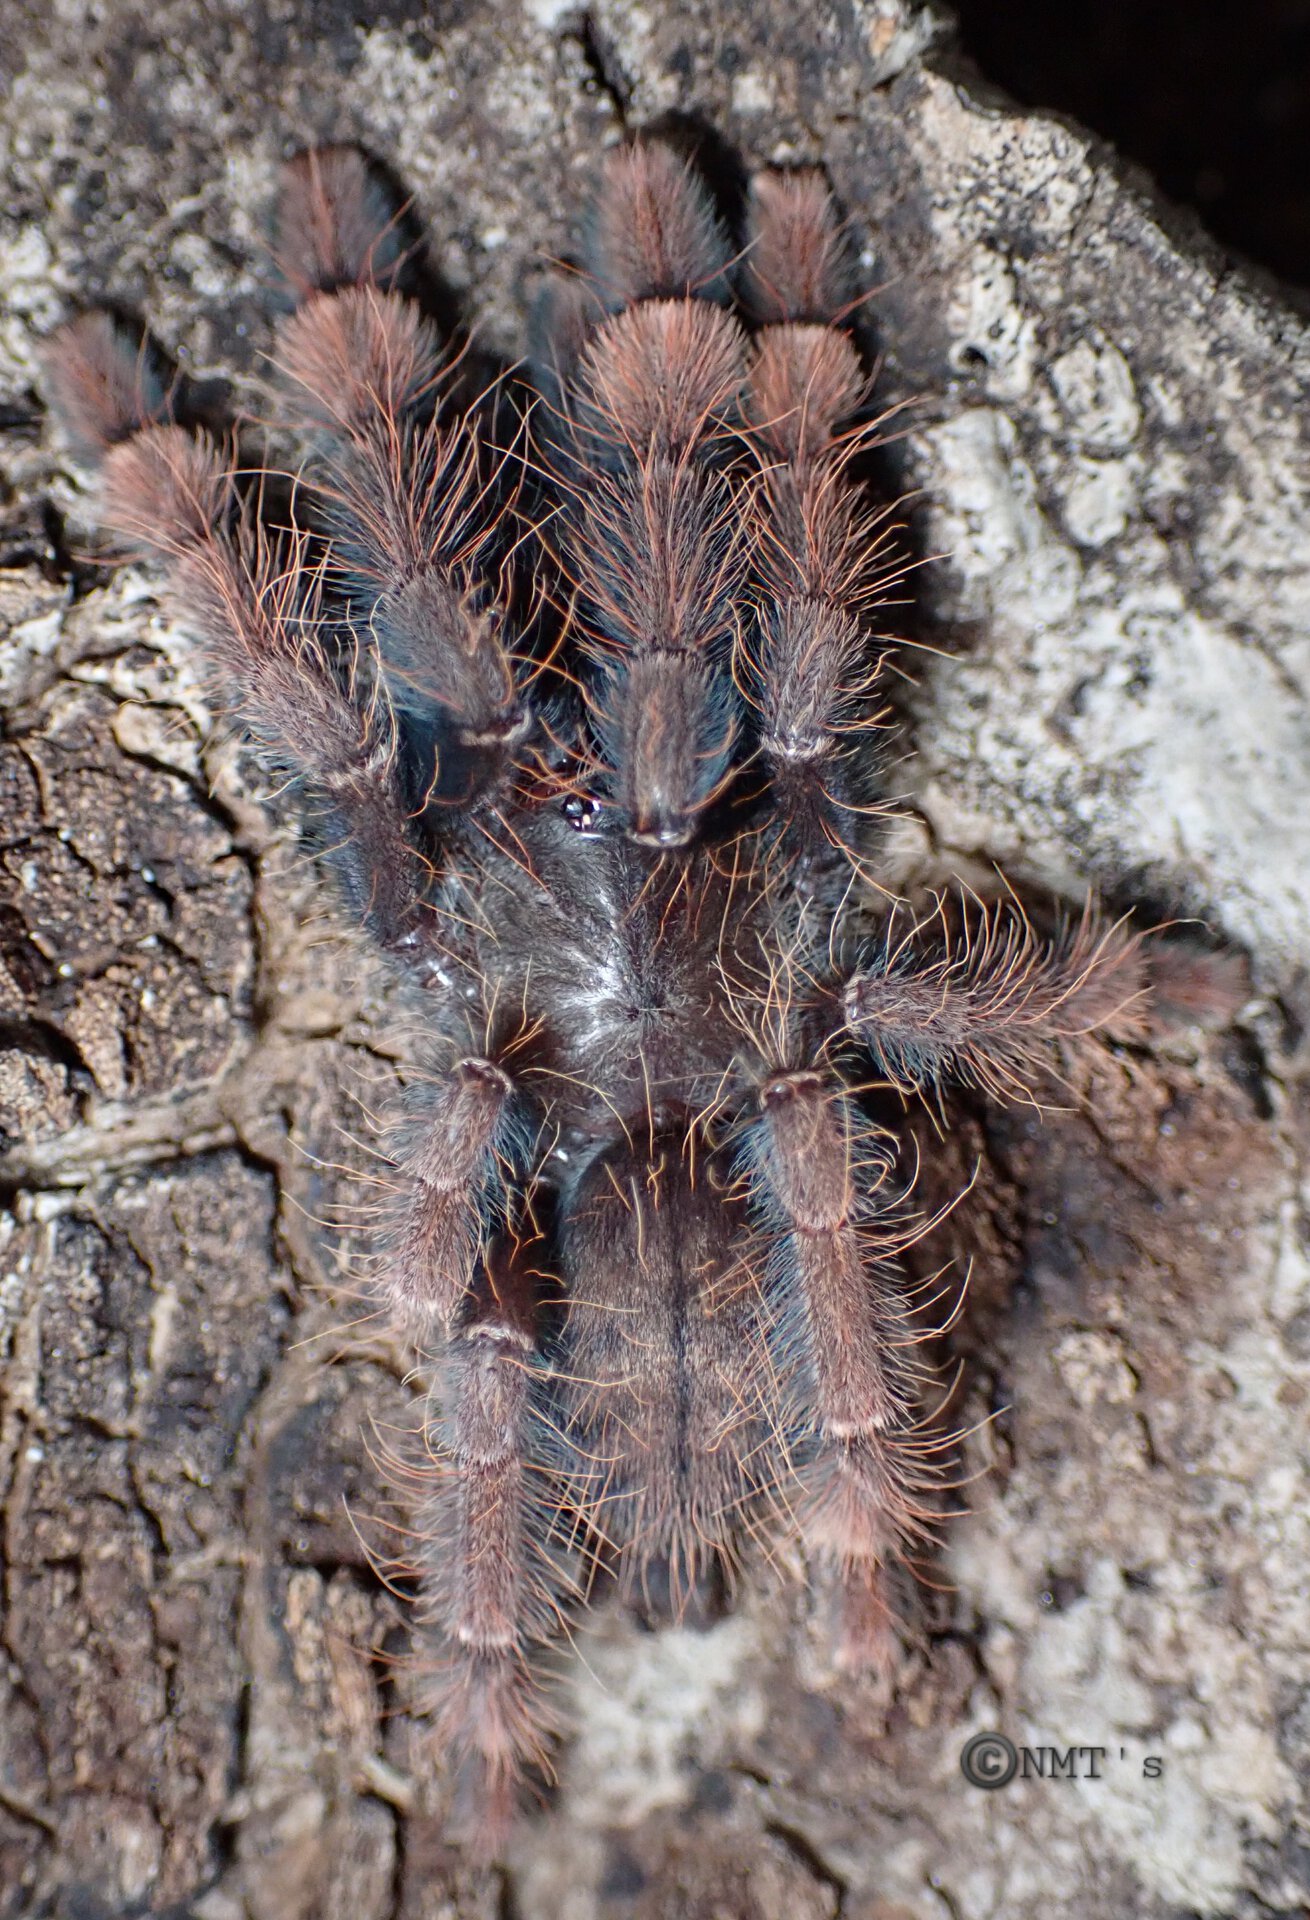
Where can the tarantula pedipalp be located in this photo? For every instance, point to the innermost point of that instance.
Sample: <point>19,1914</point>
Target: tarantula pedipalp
<point>586,717</point>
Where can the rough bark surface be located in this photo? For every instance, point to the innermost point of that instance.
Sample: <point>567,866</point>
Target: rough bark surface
<point>203,1689</point>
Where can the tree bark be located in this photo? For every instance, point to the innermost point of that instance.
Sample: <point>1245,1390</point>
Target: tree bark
<point>203,1706</point>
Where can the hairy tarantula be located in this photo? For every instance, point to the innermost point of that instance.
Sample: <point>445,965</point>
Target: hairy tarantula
<point>583,699</point>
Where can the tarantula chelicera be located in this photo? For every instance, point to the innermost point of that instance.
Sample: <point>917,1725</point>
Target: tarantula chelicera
<point>583,701</point>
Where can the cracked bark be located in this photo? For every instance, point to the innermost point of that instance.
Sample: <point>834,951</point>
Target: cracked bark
<point>202,1709</point>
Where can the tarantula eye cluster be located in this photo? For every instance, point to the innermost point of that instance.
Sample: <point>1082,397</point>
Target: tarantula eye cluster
<point>582,700</point>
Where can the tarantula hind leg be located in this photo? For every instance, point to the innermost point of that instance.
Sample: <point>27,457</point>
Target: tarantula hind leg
<point>846,1347</point>
<point>460,1159</point>
<point>493,1577</point>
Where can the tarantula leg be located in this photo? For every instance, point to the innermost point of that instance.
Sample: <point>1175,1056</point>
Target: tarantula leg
<point>254,596</point>
<point>848,1313</point>
<point>413,507</point>
<point>665,1412</point>
<point>565,311</point>
<point>458,1192</point>
<point>806,663</point>
<point>654,541</point>
<point>844,1339</point>
<point>492,1583</point>
<point>795,269</point>
<point>338,224</point>
<point>652,232</point>
<point>107,381</point>
<point>997,1005</point>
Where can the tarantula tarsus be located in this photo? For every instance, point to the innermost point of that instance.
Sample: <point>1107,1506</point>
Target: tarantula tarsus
<point>586,713</point>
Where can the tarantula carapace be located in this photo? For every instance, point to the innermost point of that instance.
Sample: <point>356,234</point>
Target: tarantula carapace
<point>583,699</point>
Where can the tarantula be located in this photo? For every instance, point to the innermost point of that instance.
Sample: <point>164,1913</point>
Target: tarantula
<point>583,699</point>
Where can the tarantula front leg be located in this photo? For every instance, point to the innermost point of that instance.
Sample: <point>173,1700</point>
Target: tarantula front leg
<point>255,597</point>
<point>825,557</point>
<point>412,504</point>
<point>845,1342</point>
<point>993,1007</point>
<point>653,541</point>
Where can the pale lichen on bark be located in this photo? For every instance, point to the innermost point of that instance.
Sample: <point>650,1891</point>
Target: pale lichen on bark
<point>1109,473</point>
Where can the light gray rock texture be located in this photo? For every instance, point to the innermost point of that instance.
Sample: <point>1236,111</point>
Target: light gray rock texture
<point>203,1688</point>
